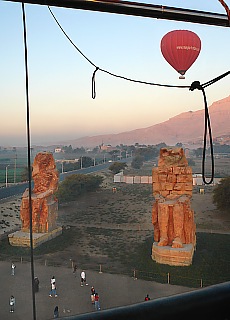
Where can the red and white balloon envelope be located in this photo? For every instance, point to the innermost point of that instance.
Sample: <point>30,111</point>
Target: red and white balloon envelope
<point>180,49</point>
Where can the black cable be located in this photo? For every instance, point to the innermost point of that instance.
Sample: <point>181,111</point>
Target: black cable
<point>143,82</point>
<point>106,71</point>
<point>70,39</point>
<point>93,84</point>
<point>204,85</point>
<point>207,124</point>
<point>194,85</point>
<point>29,161</point>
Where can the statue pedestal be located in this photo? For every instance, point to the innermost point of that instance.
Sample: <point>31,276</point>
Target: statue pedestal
<point>22,239</point>
<point>173,256</point>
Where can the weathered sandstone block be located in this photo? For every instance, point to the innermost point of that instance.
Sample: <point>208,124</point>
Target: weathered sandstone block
<point>172,216</point>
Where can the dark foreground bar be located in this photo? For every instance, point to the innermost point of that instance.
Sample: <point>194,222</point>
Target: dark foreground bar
<point>139,9</point>
<point>211,303</point>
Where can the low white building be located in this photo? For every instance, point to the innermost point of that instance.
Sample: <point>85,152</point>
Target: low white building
<point>57,150</point>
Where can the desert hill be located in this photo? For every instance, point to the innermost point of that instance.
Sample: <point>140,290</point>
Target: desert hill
<point>187,127</point>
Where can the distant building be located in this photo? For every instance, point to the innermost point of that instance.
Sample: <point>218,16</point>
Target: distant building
<point>225,139</point>
<point>105,147</point>
<point>67,161</point>
<point>198,180</point>
<point>187,152</point>
<point>57,150</point>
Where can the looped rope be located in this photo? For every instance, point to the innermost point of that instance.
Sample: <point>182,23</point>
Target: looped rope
<point>195,85</point>
<point>93,83</point>
<point>207,125</point>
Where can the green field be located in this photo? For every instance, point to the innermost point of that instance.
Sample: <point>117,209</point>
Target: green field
<point>15,160</point>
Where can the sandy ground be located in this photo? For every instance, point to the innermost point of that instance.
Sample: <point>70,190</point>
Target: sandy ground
<point>10,214</point>
<point>207,217</point>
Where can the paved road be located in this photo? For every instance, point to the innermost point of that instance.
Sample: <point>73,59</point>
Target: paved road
<point>20,188</point>
<point>114,291</point>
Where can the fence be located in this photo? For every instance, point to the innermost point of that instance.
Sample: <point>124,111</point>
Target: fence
<point>163,278</point>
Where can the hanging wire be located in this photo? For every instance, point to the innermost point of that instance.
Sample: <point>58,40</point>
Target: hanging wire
<point>215,79</point>
<point>93,84</point>
<point>106,71</point>
<point>207,121</point>
<point>207,124</point>
<point>70,39</point>
<point>194,85</point>
<point>29,160</point>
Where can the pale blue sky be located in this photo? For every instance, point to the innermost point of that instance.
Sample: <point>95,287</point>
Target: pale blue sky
<point>60,78</point>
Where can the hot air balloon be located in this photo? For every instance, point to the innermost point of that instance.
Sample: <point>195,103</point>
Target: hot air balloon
<point>180,49</point>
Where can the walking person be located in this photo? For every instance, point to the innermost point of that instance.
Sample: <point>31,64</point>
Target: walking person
<point>83,278</point>
<point>36,284</point>
<point>92,296</point>
<point>53,290</point>
<point>56,312</point>
<point>147,298</point>
<point>12,303</point>
<point>74,268</point>
<point>13,266</point>
<point>97,303</point>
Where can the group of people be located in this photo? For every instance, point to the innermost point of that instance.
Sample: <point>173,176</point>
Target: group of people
<point>95,299</point>
<point>12,298</point>
<point>53,292</point>
<point>94,295</point>
<point>13,267</point>
<point>12,303</point>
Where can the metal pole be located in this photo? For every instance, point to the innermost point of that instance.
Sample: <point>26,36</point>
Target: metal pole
<point>7,176</point>
<point>15,167</point>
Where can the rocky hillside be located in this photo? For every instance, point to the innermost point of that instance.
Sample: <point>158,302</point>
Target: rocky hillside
<point>186,127</point>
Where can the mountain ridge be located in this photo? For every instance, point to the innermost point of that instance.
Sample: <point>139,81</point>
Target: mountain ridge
<point>186,127</point>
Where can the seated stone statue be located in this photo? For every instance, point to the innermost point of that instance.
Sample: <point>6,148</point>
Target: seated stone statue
<point>172,216</point>
<point>44,203</point>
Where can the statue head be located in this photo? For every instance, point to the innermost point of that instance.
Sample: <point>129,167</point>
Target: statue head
<point>44,173</point>
<point>172,157</point>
